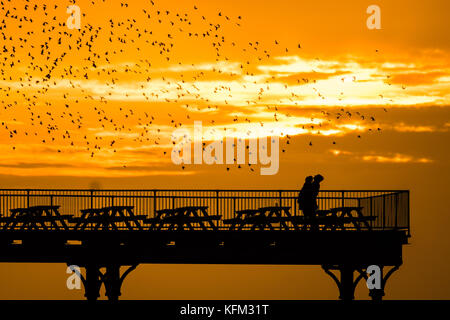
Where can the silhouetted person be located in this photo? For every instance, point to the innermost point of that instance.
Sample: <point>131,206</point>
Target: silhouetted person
<point>308,199</point>
<point>315,190</point>
<point>305,198</point>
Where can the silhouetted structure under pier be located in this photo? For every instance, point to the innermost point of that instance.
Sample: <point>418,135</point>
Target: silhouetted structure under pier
<point>110,229</point>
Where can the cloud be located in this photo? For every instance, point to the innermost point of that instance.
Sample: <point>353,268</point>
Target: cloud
<point>397,158</point>
<point>223,66</point>
<point>416,78</point>
<point>379,158</point>
<point>296,64</point>
<point>149,170</point>
<point>410,128</point>
<point>37,165</point>
<point>305,77</point>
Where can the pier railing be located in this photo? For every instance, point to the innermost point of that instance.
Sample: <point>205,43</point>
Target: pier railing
<point>391,208</point>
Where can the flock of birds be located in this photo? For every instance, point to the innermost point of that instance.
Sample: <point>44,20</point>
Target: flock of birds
<point>39,54</point>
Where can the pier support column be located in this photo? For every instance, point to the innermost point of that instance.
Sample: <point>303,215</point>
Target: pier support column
<point>347,283</point>
<point>377,294</point>
<point>347,290</point>
<point>113,280</point>
<point>92,282</point>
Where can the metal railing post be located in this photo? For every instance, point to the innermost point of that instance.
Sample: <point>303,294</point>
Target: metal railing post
<point>217,201</point>
<point>408,213</point>
<point>396,210</point>
<point>154,203</point>
<point>279,197</point>
<point>384,211</point>
<point>371,206</point>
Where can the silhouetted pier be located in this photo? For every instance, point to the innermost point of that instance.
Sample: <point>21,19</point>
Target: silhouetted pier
<point>110,229</point>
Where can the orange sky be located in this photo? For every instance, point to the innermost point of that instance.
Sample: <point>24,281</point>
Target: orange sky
<point>59,132</point>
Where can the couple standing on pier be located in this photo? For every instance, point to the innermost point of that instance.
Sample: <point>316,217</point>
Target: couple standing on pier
<point>307,197</point>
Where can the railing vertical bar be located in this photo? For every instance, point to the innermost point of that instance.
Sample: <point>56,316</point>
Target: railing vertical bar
<point>384,211</point>
<point>408,213</point>
<point>217,201</point>
<point>279,196</point>
<point>154,203</point>
<point>396,210</point>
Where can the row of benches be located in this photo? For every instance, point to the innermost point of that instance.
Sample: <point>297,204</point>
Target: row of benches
<point>190,217</point>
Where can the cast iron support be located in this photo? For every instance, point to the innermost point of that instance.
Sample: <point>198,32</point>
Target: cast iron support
<point>347,283</point>
<point>113,281</point>
<point>92,282</point>
<point>378,294</point>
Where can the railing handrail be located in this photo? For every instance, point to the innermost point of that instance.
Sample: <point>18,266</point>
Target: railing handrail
<point>203,190</point>
<point>391,207</point>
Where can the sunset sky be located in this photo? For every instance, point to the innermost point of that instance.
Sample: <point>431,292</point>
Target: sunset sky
<point>369,109</point>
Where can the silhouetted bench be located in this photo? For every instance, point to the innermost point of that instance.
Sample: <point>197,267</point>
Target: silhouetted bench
<point>178,218</point>
<point>358,220</point>
<point>107,217</point>
<point>157,221</point>
<point>336,218</point>
<point>240,220</point>
<point>41,217</point>
<point>260,218</point>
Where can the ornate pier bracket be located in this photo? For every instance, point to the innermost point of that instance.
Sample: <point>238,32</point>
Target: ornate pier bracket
<point>92,282</point>
<point>111,279</point>
<point>347,283</point>
<point>378,294</point>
